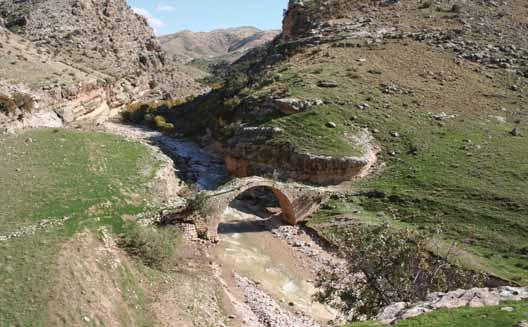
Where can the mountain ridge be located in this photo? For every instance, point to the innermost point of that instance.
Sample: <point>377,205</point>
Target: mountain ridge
<point>187,45</point>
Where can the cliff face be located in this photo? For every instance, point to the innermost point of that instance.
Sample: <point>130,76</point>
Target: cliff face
<point>302,16</point>
<point>111,51</point>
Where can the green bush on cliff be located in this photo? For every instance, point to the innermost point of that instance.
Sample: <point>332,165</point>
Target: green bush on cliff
<point>23,101</point>
<point>7,105</point>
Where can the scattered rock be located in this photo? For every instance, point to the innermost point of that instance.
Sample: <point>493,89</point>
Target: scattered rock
<point>328,84</point>
<point>390,313</point>
<point>476,297</point>
<point>331,124</point>
<point>516,132</point>
<point>291,106</point>
<point>443,116</point>
<point>523,323</point>
<point>395,134</point>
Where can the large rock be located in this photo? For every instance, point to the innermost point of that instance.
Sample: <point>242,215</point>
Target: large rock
<point>475,297</point>
<point>391,312</point>
<point>291,106</point>
<point>248,154</point>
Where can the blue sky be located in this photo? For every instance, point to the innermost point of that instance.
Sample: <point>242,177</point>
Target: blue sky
<point>170,16</point>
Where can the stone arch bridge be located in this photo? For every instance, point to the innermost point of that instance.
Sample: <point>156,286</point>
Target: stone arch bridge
<point>298,202</point>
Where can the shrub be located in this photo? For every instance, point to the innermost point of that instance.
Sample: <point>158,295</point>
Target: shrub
<point>135,112</point>
<point>168,127</point>
<point>426,4</point>
<point>385,265</point>
<point>160,121</point>
<point>7,105</point>
<point>148,118</point>
<point>457,8</point>
<point>23,101</point>
<point>156,248</point>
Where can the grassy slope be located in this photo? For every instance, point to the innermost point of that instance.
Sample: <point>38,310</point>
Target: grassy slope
<point>464,176</point>
<point>93,178</point>
<point>466,317</point>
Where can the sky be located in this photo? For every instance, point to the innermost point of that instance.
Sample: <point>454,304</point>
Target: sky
<point>171,16</point>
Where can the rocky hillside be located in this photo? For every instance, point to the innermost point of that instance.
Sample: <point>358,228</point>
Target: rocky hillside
<point>186,46</point>
<point>105,40</point>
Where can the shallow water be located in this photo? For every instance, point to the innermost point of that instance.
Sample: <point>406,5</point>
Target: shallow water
<point>256,254</point>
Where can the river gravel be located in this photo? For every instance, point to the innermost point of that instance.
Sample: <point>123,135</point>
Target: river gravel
<point>267,310</point>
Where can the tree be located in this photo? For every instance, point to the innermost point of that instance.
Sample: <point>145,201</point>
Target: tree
<point>386,265</point>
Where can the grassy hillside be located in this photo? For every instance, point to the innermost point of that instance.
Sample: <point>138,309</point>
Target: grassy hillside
<point>48,175</point>
<point>454,167</point>
<point>466,317</point>
<point>450,163</point>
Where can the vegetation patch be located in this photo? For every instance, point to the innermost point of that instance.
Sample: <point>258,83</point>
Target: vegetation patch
<point>387,265</point>
<point>21,101</point>
<point>156,248</point>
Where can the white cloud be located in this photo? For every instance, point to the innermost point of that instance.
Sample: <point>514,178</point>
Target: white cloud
<point>153,21</point>
<point>165,7</point>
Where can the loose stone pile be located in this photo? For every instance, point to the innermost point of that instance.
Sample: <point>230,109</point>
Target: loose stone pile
<point>476,297</point>
<point>267,310</point>
<point>32,229</point>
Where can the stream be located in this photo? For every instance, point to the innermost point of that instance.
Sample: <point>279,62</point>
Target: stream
<point>266,276</point>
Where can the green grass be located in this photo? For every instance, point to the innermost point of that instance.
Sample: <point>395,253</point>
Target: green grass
<point>92,178</point>
<point>465,177</point>
<point>309,132</point>
<point>466,317</point>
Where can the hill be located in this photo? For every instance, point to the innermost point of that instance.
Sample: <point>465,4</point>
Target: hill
<point>428,99</point>
<point>186,46</point>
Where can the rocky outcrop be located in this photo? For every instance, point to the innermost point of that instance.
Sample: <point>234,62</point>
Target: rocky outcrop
<point>249,154</point>
<point>476,297</point>
<point>79,59</point>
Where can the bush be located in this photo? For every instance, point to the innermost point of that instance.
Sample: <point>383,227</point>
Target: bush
<point>168,127</point>
<point>156,248</point>
<point>385,265</point>
<point>160,121</point>
<point>148,118</point>
<point>7,105</point>
<point>135,112</point>
<point>23,101</point>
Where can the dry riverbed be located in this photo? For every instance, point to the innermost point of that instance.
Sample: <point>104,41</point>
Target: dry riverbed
<point>265,267</point>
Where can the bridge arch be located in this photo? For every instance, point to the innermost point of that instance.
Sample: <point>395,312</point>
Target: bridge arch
<point>297,202</point>
<point>282,199</point>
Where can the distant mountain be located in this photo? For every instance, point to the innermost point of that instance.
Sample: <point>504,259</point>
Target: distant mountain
<point>186,46</point>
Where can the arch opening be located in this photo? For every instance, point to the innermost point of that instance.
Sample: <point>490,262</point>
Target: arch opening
<point>252,210</point>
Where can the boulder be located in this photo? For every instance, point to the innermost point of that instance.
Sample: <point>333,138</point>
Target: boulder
<point>327,84</point>
<point>391,312</point>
